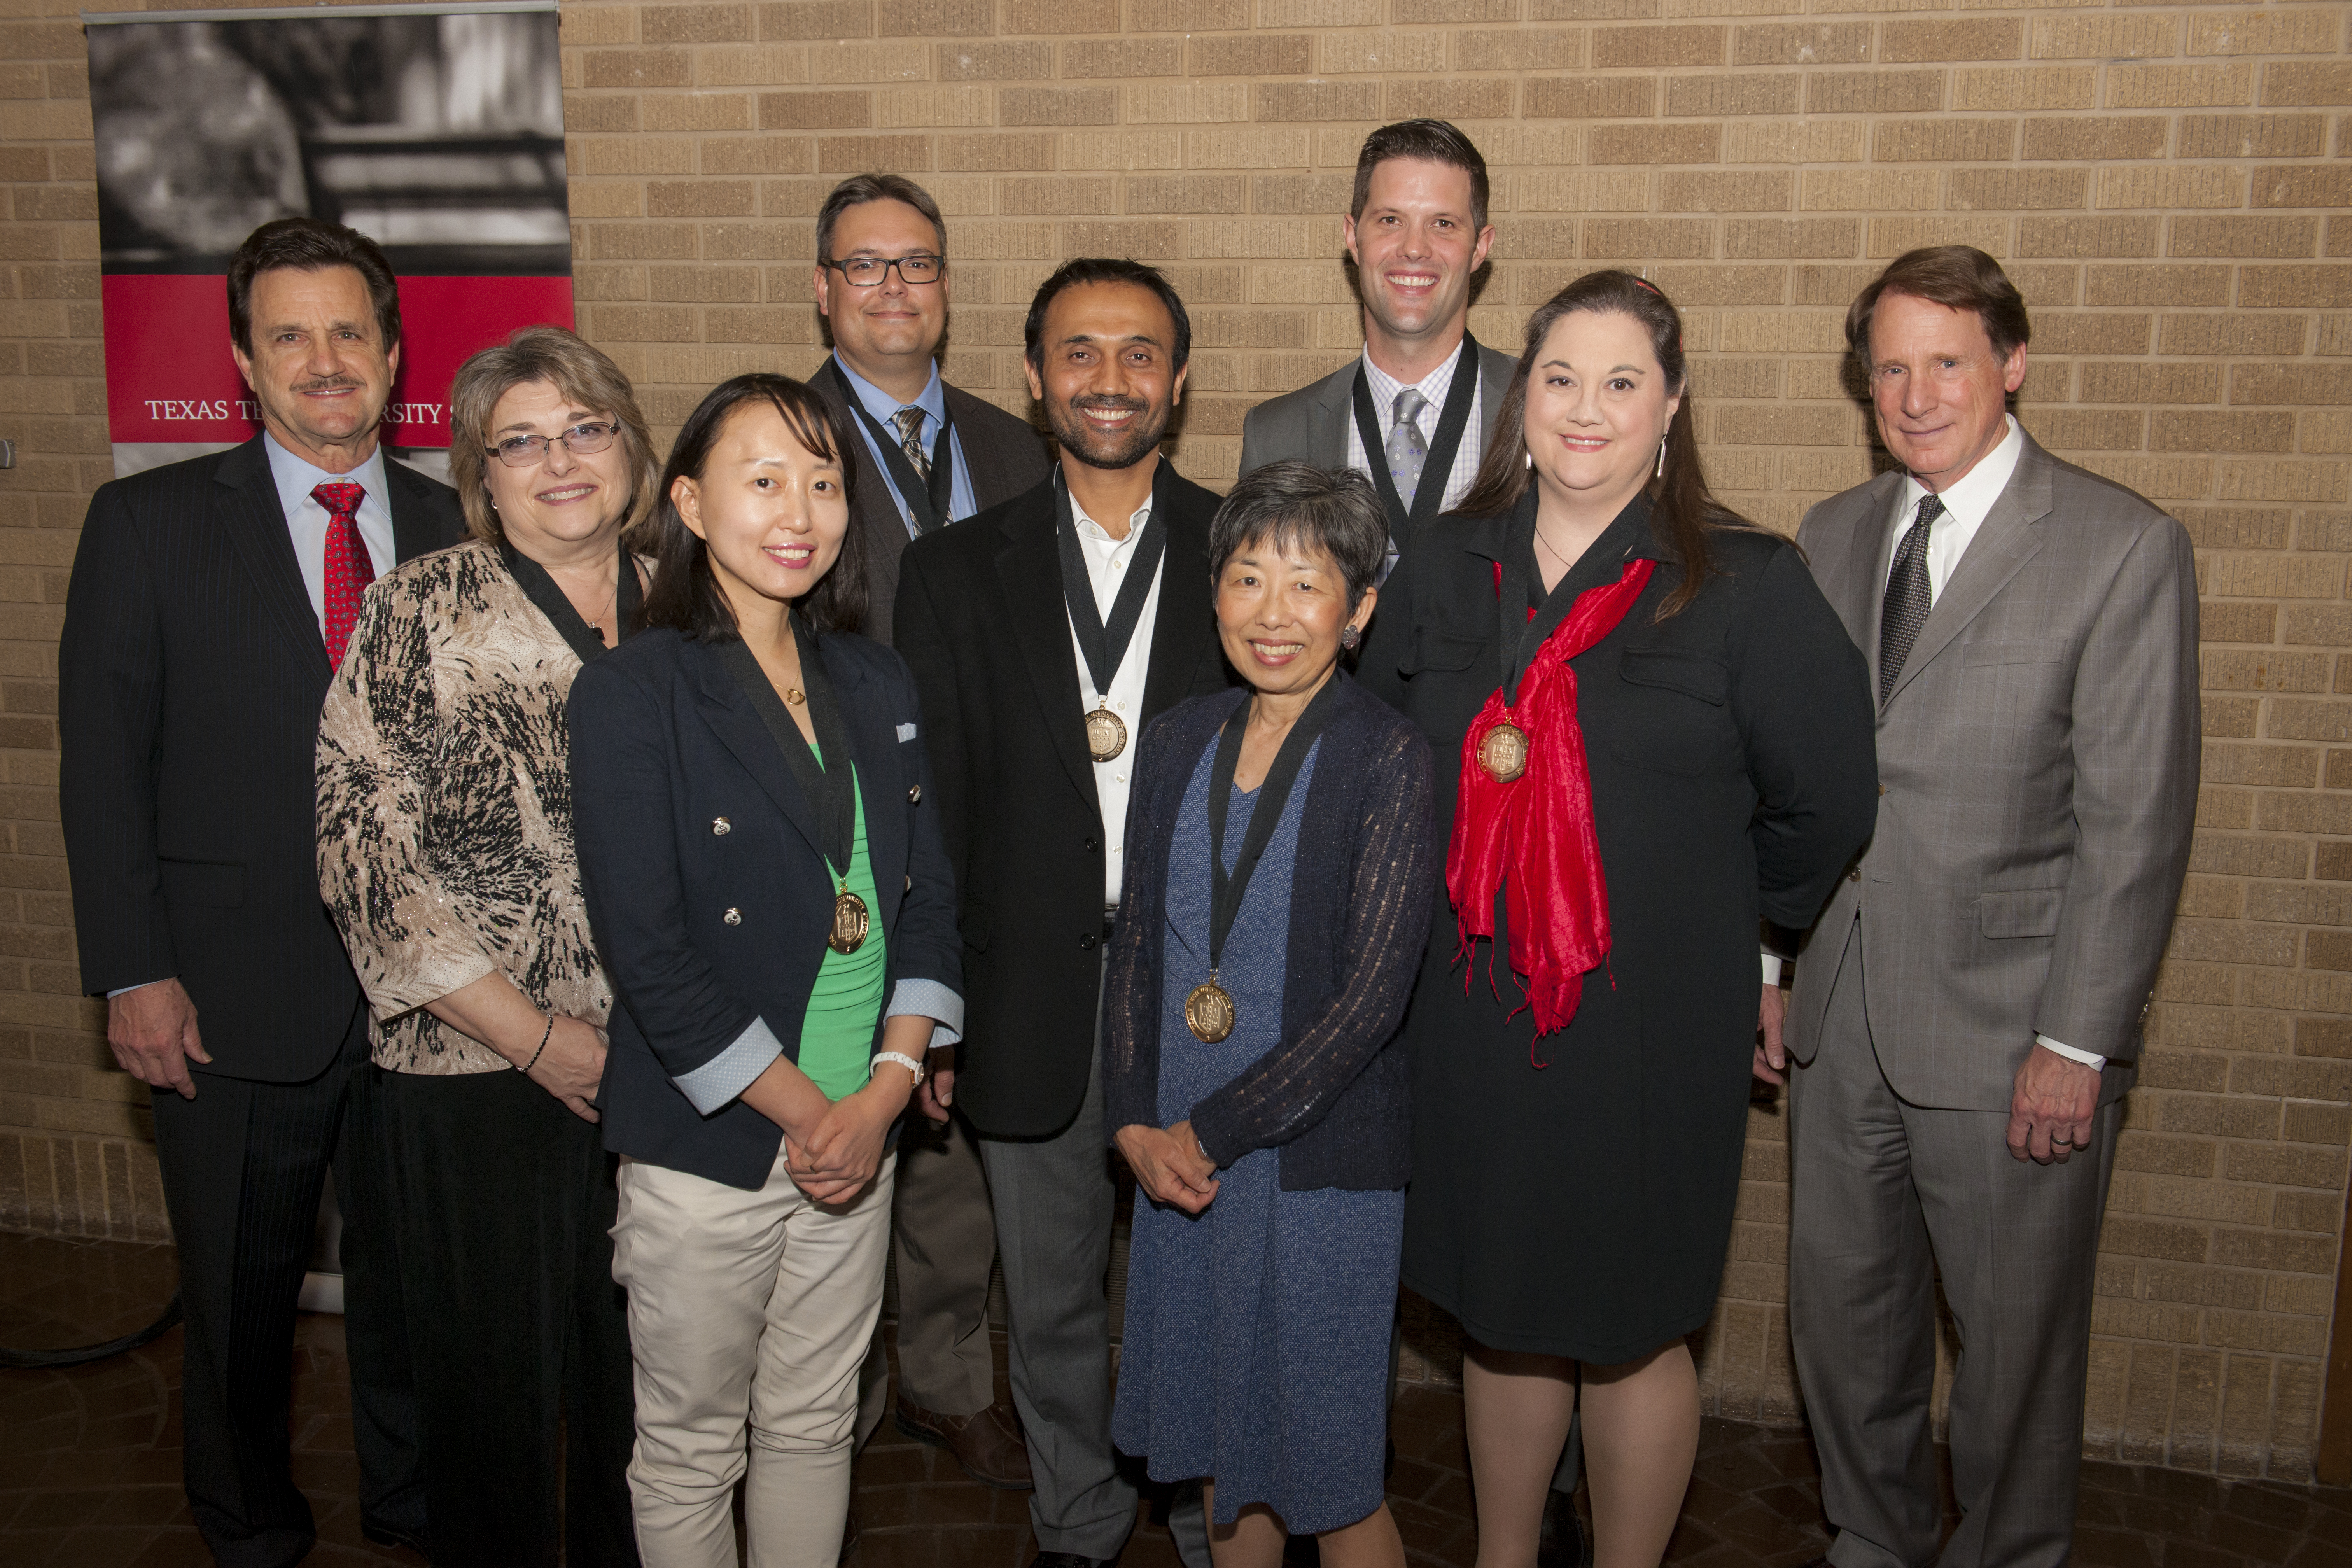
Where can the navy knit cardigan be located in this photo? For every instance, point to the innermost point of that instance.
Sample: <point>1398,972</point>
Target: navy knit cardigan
<point>1334,1095</point>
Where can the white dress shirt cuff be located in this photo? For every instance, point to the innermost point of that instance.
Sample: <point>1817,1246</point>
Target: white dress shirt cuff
<point>126,990</point>
<point>1773,965</point>
<point>715,1084</point>
<point>929,999</point>
<point>2089,1059</point>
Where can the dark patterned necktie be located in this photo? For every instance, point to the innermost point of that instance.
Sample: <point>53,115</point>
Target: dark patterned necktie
<point>1909,597</point>
<point>910,440</point>
<point>349,569</point>
<point>1407,449</point>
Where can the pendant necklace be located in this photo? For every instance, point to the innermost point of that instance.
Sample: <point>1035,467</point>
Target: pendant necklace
<point>829,786</point>
<point>1210,1011</point>
<point>1104,646</point>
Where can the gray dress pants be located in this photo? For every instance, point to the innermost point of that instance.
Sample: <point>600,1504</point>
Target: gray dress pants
<point>1054,1199</point>
<point>1883,1191</point>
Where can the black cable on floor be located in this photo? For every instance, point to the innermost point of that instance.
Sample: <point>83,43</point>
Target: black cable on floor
<point>78,1355</point>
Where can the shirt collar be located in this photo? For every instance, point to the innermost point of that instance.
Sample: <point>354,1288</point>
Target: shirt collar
<point>1971,497</point>
<point>1096,533</point>
<point>932,401</point>
<point>1432,387</point>
<point>297,477</point>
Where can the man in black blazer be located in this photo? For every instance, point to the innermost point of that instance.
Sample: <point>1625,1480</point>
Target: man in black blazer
<point>926,455</point>
<point>1038,674</point>
<point>209,604</point>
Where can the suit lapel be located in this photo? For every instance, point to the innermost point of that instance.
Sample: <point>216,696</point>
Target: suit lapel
<point>416,530</point>
<point>984,457</point>
<point>256,524</point>
<point>872,740</point>
<point>738,725</point>
<point>1495,371</point>
<point>1029,563</point>
<point>1180,633</point>
<point>2004,543</point>
<point>1327,414</point>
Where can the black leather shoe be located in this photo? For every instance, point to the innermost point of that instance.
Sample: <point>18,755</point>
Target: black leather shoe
<point>383,1534</point>
<point>1562,1544</point>
<point>1066,1560</point>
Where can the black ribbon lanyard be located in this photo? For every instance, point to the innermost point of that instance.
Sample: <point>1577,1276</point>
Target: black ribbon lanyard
<point>1226,891</point>
<point>541,590</point>
<point>831,785</point>
<point>930,505</point>
<point>1105,646</point>
<point>1435,467</point>
<point>1522,635</point>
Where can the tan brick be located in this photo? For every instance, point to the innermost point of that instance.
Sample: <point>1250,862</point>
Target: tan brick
<point>2290,185</point>
<point>1943,141</point>
<point>1453,12</point>
<point>1867,190</point>
<point>2088,429</point>
<point>1185,194</point>
<point>1122,58</point>
<point>2136,36</point>
<point>2015,190</point>
<point>1874,92</point>
<point>1979,38</point>
<point>1653,143</point>
<point>2016,88</point>
<point>1057,106</point>
<point>2099,137</point>
<point>698,198</point>
<point>1319,12</point>
<point>873,154</point>
<point>1308,101</point>
<point>1512,50</point>
<point>815,110</point>
<point>1794,142</point>
<point>2180,87</point>
<point>2179,284</point>
<point>677,23</point>
<point>924,18</point>
<point>1456,99</point>
<point>971,60</point>
<point>1801,44</point>
<point>2304,32</point>
<point>1253,54</point>
<point>2252,135</point>
<point>1616,48</point>
<point>638,67</point>
<point>1588,97</point>
<point>1637,239</point>
<point>797,19</point>
<point>1151,16</point>
<point>2244,237</point>
<point>2272,286</point>
<point>2289,84</point>
<point>1744,191</point>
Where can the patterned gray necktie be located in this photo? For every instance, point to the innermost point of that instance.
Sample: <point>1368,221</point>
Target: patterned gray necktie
<point>1406,451</point>
<point>910,440</point>
<point>1909,597</point>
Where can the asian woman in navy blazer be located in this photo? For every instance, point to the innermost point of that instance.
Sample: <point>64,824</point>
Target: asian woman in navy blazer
<point>762,1050</point>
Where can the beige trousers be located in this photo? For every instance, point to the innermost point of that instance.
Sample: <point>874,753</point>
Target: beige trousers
<point>760,1301</point>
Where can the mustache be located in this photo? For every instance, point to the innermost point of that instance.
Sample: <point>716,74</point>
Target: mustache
<point>328,383</point>
<point>1110,404</point>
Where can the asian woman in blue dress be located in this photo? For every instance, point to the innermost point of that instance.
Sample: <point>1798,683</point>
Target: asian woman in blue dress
<point>1282,872</point>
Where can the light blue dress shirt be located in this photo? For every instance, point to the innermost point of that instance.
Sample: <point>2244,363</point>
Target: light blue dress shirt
<point>885,410</point>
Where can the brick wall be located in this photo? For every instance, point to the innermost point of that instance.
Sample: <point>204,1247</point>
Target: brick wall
<point>2171,186</point>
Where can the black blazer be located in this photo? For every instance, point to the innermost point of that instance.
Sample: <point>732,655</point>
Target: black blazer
<point>190,676</point>
<point>982,624</point>
<point>664,745</point>
<point>1005,454</point>
<point>1331,1095</point>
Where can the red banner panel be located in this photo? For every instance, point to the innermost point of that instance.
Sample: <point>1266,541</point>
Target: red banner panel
<point>169,376</point>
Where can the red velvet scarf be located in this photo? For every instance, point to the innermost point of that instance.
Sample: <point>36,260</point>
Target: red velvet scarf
<point>1533,838</point>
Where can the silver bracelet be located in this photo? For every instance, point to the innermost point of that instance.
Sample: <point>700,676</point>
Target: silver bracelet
<point>903,1059</point>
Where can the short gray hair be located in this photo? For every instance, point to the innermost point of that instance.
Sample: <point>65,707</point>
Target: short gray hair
<point>1295,505</point>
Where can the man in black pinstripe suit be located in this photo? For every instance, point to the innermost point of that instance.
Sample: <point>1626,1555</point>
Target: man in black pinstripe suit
<point>196,652</point>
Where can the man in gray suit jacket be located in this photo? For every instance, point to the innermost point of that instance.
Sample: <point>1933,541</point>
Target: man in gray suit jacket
<point>927,454</point>
<point>1417,233</point>
<point>1966,1011</point>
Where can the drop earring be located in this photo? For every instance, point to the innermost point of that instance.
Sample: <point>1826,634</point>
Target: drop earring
<point>1662,459</point>
<point>1528,459</point>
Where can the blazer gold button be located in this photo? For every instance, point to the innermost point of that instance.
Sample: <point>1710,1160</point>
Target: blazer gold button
<point>914,794</point>
<point>1854,875</point>
<point>1881,789</point>
<point>733,917</point>
<point>720,827</point>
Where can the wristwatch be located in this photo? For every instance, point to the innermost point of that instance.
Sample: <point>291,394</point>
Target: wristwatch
<point>904,1060</point>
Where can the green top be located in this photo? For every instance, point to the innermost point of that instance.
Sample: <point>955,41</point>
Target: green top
<point>838,1036</point>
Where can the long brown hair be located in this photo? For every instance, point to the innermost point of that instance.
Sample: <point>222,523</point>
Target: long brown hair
<point>1682,508</point>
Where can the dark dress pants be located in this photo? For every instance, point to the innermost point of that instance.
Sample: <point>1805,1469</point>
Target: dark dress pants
<point>506,1202</point>
<point>243,1165</point>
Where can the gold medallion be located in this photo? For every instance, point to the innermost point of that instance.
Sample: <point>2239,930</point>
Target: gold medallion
<point>1503,751</point>
<point>1209,1011</point>
<point>1105,734</point>
<point>850,921</point>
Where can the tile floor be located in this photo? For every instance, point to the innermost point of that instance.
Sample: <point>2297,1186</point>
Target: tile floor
<point>89,1461</point>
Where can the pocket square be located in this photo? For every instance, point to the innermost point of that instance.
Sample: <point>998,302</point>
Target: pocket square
<point>905,731</point>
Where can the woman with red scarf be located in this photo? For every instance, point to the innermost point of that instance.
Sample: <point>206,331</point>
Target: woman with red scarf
<point>1657,732</point>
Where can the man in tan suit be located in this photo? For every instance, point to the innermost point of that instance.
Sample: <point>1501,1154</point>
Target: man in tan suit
<point>1966,1011</point>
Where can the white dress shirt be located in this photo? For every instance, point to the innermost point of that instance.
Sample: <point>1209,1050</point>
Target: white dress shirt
<point>306,520</point>
<point>1966,503</point>
<point>1107,563</point>
<point>1433,386</point>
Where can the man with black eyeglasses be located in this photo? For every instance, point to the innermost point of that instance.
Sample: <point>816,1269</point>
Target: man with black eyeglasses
<point>931,452</point>
<point>928,455</point>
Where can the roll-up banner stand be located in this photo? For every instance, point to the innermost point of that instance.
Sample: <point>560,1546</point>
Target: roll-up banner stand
<point>436,129</point>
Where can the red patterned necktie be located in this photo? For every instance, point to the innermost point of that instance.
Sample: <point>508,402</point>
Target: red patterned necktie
<point>348,570</point>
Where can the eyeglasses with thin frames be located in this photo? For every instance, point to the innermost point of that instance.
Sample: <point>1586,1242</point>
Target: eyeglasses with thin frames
<point>529,451</point>
<point>868,272</point>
